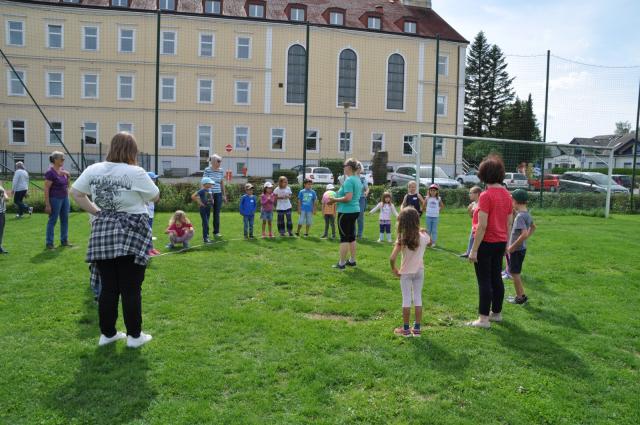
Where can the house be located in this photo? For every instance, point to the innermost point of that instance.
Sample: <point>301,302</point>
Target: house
<point>589,152</point>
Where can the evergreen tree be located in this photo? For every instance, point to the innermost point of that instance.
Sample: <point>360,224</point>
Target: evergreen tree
<point>499,91</point>
<point>476,82</point>
<point>518,122</point>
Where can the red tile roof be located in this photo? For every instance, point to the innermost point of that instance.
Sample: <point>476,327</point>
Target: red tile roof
<point>429,23</point>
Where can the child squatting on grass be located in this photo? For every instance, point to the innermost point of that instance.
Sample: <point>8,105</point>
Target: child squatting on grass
<point>412,241</point>
<point>248,205</point>
<point>522,229</point>
<point>386,208</point>
<point>180,230</point>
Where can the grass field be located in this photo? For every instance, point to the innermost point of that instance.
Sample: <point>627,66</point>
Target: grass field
<point>266,332</point>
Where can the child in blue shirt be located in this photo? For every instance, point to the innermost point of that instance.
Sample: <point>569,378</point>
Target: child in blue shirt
<point>248,206</point>
<point>205,199</point>
<point>306,206</point>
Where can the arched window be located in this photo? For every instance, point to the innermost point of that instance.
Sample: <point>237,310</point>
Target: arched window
<point>347,78</point>
<point>395,82</point>
<point>296,68</point>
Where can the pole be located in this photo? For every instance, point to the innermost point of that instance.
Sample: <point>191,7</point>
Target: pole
<point>417,141</point>
<point>635,151</point>
<point>82,162</point>
<point>99,151</point>
<point>544,131</point>
<point>346,114</point>
<point>155,156</point>
<point>435,115</point>
<point>306,107</point>
<point>609,173</point>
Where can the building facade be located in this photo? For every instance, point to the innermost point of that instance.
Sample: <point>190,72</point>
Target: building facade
<point>231,80</point>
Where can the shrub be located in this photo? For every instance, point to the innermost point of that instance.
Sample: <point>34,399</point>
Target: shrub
<point>335,165</point>
<point>291,175</point>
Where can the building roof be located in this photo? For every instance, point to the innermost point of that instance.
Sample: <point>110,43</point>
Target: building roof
<point>603,141</point>
<point>393,13</point>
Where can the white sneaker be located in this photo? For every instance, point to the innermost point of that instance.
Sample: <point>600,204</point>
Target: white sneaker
<point>380,240</point>
<point>495,317</point>
<point>104,340</point>
<point>139,341</point>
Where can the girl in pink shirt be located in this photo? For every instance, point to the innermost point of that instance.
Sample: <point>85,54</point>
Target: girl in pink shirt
<point>412,241</point>
<point>386,209</point>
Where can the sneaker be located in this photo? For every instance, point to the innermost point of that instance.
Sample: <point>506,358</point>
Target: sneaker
<point>495,317</point>
<point>290,234</point>
<point>270,235</point>
<point>401,331</point>
<point>479,324</point>
<point>506,275</point>
<point>339,267</point>
<point>18,216</point>
<point>465,255</point>
<point>251,237</point>
<point>137,342</point>
<point>153,238</point>
<point>351,263</point>
<point>30,210</point>
<point>169,246</point>
<point>217,235</point>
<point>264,235</point>
<point>66,244</point>
<point>380,240</point>
<point>323,237</point>
<point>50,246</point>
<point>206,240</point>
<point>518,300</point>
<point>282,235</point>
<point>3,251</point>
<point>306,235</point>
<point>297,234</point>
<point>416,332</point>
<point>104,340</point>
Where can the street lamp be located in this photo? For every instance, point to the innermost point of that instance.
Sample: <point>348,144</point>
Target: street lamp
<point>346,106</point>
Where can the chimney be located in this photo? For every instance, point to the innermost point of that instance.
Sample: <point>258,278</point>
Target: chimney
<point>379,9</point>
<point>425,4</point>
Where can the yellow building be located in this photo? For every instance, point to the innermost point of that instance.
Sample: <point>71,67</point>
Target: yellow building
<point>231,75</point>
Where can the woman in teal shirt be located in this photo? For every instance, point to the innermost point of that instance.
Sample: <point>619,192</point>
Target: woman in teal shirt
<point>348,199</point>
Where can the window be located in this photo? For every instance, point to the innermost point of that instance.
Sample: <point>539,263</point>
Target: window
<point>204,137</point>
<point>71,1</point>
<point>54,36</point>
<point>15,33</point>
<point>312,140</point>
<point>256,10</point>
<point>410,27</point>
<point>125,87</point>
<point>243,48</point>
<point>56,128</point>
<point>126,41</point>
<point>90,133</point>
<point>347,78</point>
<point>240,168</point>
<point>377,142</point>
<point>125,126</point>
<point>120,3</point>
<point>443,65</point>
<point>17,132</point>
<point>212,6</point>
<point>439,146</point>
<point>205,91</point>
<point>275,167</point>
<point>395,82</point>
<point>277,139</point>
<point>442,105</point>
<point>241,138</point>
<point>168,42</point>
<point>55,87</point>
<point>296,69</point>
<point>297,14</point>
<point>168,89</point>
<point>336,18</point>
<point>90,38</point>
<point>345,142</point>
<point>167,135</point>
<point>374,23</point>
<point>90,86</point>
<point>407,145</point>
<point>15,87</point>
<point>206,45</point>
<point>167,4</point>
<point>243,92</point>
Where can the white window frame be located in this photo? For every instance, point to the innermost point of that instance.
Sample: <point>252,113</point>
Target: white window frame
<point>199,88</point>
<point>235,138</point>
<point>48,82</point>
<point>8,32</point>
<point>133,86</point>
<point>446,101</point>
<point>332,15</point>
<point>121,124</point>
<point>412,154</point>
<point>219,12</point>
<point>213,45</point>
<point>297,10</point>
<point>404,85</point>
<point>357,105</point>
<point>175,42</point>
<point>133,39</point>
<point>11,128</point>
<point>126,3</point>
<point>173,136</point>
<point>9,85</point>
<point>373,19</point>
<point>166,2</point>
<point>446,64</point>
<point>373,140</point>
<point>84,124</point>
<point>83,82</point>
<point>284,140</point>
<point>175,88</point>
<point>235,91</point>
<point>412,25</point>
<point>238,47</point>
<point>84,38</point>
<point>209,134</point>
<point>317,149</point>
<point>47,131</point>
<point>350,133</point>
<point>253,7</point>
<point>48,35</point>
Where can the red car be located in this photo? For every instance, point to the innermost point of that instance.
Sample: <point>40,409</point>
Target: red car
<point>551,183</point>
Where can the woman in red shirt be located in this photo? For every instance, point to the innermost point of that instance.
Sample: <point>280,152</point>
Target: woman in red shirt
<point>494,226</point>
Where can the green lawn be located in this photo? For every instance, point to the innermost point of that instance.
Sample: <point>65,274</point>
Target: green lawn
<point>266,332</point>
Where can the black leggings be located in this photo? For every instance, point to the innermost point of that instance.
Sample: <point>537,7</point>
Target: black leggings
<point>489,275</point>
<point>347,226</point>
<point>120,277</point>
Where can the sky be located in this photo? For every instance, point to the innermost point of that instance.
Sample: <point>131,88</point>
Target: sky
<point>584,101</point>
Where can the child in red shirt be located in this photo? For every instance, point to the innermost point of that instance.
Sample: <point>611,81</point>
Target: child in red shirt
<point>180,230</point>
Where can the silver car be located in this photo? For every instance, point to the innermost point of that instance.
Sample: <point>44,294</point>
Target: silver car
<point>516,181</point>
<point>589,182</point>
<point>318,175</point>
<point>405,174</point>
<point>470,178</point>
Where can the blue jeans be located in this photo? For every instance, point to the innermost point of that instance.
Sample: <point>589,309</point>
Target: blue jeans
<point>432,228</point>
<point>247,220</point>
<point>282,214</point>
<point>205,213</point>
<point>217,206</point>
<point>363,207</point>
<point>59,208</point>
<point>471,240</point>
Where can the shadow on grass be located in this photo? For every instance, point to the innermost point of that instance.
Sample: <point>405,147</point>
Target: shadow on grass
<point>538,284</point>
<point>555,317</point>
<point>88,323</point>
<point>542,351</point>
<point>45,255</point>
<point>437,357</point>
<point>109,387</point>
<point>357,275</point>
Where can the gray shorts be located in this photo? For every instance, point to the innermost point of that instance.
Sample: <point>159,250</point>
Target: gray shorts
<point>266,215</point>
<point>306,217</point>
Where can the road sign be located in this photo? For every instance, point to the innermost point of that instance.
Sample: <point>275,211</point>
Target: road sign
<point>228,148</point>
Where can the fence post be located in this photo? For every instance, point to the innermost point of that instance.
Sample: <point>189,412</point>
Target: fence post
<point>544,132</point>
<point>435,117</point>
<point>635,152</point>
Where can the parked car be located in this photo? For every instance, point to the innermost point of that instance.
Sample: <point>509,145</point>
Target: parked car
<point>588,182</point>
<point>470,178</point>
<point>298,168</point>
<point>623,180</point>
<point>551,183</point>
<point>366,172</point>
<point>319,175</point>
<point>405,174</point>
<point>516,181</point>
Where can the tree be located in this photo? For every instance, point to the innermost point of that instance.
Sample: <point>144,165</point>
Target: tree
<point>499,91</point>
<point>517,121</point>
<point>476,82</point>
<point>622,128</point>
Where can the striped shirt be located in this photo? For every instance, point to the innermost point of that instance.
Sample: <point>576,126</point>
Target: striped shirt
<point>216,176</point>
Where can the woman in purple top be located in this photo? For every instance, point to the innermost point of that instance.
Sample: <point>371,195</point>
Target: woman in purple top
<point>56,198</point>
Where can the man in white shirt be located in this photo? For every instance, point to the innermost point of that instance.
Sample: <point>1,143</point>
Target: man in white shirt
<point>20,186</point>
